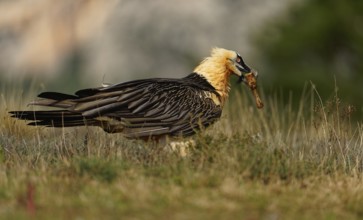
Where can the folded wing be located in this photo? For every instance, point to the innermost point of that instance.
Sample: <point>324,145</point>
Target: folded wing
<point>139,109</point>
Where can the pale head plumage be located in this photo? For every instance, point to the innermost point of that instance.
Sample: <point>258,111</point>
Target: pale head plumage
<point>217,69</point>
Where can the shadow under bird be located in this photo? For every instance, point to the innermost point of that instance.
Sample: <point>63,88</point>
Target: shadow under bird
<point>150,108</point>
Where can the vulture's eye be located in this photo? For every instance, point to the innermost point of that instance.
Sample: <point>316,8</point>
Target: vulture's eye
<point>238,60</point>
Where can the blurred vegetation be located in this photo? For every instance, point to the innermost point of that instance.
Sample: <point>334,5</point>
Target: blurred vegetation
<point>318,41</point>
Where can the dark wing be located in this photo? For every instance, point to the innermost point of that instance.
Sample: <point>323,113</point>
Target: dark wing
<point>139,109</point>
<point>153,108</point>
<point>167,109</point>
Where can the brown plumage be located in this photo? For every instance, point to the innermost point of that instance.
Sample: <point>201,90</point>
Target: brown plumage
<point>147,108</point>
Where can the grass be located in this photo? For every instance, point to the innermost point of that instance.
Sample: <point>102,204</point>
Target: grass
<point>275,163</point>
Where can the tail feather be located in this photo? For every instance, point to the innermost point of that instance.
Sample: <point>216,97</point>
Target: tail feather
<point>56,96</point>
<point>43,115</point>
<point>56,118</point>
<point>58,124</point>
<point>55,99</point>
<point>69,115</point>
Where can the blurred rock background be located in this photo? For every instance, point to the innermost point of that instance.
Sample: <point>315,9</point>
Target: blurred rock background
<point>73,44</point>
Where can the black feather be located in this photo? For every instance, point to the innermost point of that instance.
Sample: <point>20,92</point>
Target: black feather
<point>56,96</point>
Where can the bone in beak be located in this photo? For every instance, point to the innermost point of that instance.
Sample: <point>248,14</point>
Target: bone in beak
<point>252,83</point>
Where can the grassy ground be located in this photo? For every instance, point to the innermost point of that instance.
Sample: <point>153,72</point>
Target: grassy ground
<point>275,163</point>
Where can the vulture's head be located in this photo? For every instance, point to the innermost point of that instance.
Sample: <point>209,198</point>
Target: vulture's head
<point>223,63</point>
